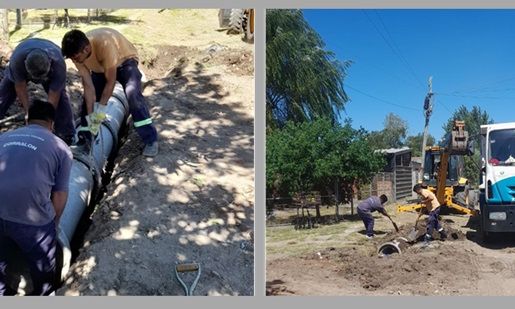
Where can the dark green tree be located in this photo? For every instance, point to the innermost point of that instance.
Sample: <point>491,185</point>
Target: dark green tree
<point>303,80</point>
<point>309,156</point>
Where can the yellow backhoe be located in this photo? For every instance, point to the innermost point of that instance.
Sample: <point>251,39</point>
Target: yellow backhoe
<point>443,167</point>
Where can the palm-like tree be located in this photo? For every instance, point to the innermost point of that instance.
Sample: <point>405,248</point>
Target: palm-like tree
<point>303,80</point>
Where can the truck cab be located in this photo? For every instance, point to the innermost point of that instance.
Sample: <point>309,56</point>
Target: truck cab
<point>497,187</point>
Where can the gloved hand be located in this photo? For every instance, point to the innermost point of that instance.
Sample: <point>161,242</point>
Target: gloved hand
<point>94,121</point>
<point>100,110</point>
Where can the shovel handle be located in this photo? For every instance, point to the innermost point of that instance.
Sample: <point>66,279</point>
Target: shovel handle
<point>187,267</point>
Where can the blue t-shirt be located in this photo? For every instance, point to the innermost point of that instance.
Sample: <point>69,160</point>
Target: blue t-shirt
<point>371,204</point>
<point>17,72</point>
<point>33,164</point>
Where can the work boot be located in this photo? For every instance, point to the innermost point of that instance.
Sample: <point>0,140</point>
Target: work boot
<point>427,240</point>
<point>443,235</point>
<point>151,149</point>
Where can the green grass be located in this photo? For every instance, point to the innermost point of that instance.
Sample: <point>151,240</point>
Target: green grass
<point>286,241</point>
<point>145,28</point>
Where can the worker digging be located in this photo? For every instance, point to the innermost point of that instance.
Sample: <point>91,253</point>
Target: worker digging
<point>433,209</point>
<point>367,207</point>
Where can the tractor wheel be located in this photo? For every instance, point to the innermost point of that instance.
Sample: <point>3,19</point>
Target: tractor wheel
<point>236,20</point>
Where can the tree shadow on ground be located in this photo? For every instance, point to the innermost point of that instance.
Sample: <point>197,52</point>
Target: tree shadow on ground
<point>193,202</point>
<point>100,20</point>
<point>376,232</point>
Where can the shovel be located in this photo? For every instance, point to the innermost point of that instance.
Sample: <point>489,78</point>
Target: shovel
<point>412,236</point>
<point>187,267</point>
<point>394,225</point>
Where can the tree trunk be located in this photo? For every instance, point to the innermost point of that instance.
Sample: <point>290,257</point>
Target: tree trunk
<point>18,19</point>
<point>337,200</point>
<point>4,26</point>
<point>89,16</point>
<point>66,18</point>
<point>352,205</point>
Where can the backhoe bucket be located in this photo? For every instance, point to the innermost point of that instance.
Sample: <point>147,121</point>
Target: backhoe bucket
<point>459,139</point>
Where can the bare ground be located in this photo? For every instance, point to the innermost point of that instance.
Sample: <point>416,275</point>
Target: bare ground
<point>461,265</point>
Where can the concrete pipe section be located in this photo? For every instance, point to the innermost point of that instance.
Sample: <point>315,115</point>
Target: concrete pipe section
<point>85,181</point>
<point>395,246</point>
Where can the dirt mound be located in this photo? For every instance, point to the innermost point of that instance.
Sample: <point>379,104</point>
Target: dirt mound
<point>405,230</point>
<point>171,61</point>
<point>277,287</point>
<point>419,271</point>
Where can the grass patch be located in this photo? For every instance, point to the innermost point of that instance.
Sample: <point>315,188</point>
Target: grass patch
<point>140,26</point>
<point>285,240</point>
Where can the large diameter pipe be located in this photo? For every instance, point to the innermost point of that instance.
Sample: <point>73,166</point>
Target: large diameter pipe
<point>395,246</point>
<point>87,171</point>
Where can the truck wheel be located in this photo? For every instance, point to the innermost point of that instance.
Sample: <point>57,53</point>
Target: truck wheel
<point>486,236</point>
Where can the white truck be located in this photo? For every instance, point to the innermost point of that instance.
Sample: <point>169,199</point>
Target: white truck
<point>497,187</point>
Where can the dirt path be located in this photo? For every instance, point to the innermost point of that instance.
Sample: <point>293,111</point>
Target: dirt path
<point>461,266</point>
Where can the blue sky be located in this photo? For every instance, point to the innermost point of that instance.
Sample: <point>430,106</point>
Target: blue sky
<point>469,53</point>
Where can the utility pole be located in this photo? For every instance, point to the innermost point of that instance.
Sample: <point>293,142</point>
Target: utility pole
<point>428,109</point>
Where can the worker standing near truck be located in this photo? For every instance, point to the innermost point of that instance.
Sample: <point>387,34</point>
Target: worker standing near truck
<point>367,207</point>
<point>34,178</point>
<point>104,56</point>
<point>433,210</point>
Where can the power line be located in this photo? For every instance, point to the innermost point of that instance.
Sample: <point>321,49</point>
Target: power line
<point>445,106</point>
<point>403,60</point>
<point>371,65</point>
<point>398,49</point>
<point>381,100</point>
